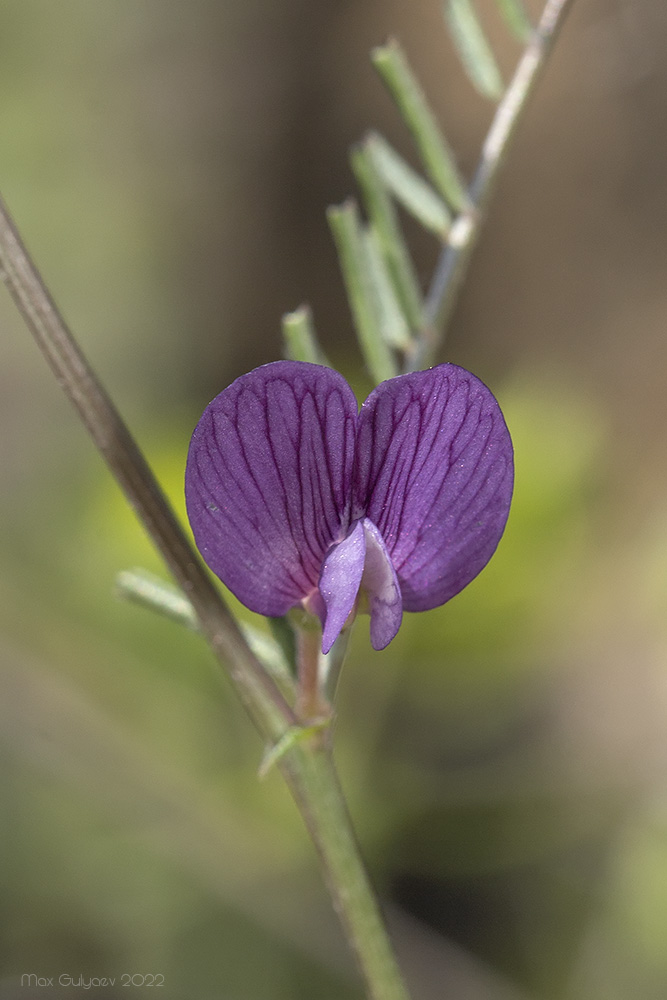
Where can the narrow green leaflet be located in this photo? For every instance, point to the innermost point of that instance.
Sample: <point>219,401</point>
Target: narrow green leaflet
<point>515,18</point>
<point>346,228</point>
<point>393,324</point>
<point>475,51</point>
<point>294,735</point>
<point>383,216</point>
<point>300,337</point>
<point>150,591</point>
<point>408,188</point>
<point>438,159</point>
<point>142,587</point>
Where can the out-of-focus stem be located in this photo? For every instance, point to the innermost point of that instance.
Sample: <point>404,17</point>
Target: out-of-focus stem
<point>260,695</point>
<point>348,881</point>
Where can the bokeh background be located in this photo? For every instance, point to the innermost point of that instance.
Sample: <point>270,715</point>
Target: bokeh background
<point>505,759</point>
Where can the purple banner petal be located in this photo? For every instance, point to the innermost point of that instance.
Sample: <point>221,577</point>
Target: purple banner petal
<point>434,473</point>
<point>268,481</point>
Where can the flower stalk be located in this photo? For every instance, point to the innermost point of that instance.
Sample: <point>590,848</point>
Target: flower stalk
<point>310,705</point>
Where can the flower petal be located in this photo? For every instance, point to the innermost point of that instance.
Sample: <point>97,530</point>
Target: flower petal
<point>382,589</point>
<point>339,582</point>
<point>434,472</point>
<point>268,480</point>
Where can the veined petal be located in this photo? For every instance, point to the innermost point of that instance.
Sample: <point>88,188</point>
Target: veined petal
<point>434,472</point>
<point>268,480</point>
<point>382,589</point>
<point>342,571</point>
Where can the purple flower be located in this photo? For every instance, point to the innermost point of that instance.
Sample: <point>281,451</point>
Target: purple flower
<point>296,498</point>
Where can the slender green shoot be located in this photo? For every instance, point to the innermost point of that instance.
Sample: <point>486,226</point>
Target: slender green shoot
<point>150,591</point>
<point>384,220</point>
<point>443,292</point>
<point>439,162</point>
<point>163,597</point>
<point>475,52</point>
<point>289,739</point>
<point>516,18</point>
<point>393,324</point>
<point>300,338</point>
<point>346,228</point>
<point>409,189</point>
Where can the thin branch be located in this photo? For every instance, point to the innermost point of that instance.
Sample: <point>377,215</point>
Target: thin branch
<point>452,265</point>
<point>265,703</point>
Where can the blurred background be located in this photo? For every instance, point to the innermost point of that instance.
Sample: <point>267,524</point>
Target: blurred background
<point>505,759</point>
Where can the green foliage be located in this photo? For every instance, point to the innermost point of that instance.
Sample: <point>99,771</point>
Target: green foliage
<point>474,49</point>
<point>391,320</point>
<point>361,291</point>
<point>437,156</point>
<point>385,224</point>
<point>408,188</point>
<point>394,329</point>
<point>300,337</point>
<point>514,14</point>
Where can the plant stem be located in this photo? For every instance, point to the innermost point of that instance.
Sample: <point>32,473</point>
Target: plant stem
<point>348,882</point>
<point>455,257</point>
<point>260,695</point>
<point>310,704</point>
<point>307,767</point>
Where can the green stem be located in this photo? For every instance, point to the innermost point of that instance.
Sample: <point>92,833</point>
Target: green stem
<point>260,695</point>
<point>300,339</point>
<point>310,704</point>
<point>307,767</point>
<point>454,259</point>
<point>311,772</point>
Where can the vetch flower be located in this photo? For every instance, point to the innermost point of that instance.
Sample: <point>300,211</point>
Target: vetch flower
<point>296,498</point>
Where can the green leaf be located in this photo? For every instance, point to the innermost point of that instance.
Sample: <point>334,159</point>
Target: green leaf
<point>411,190</point>
<point>150,591</point>
<point>437,157</point>
<point>515,18</point>
<point>142,587</point>
<point>346,228</point>
<point>386,225</point>
<point>300,337</point>
<point>289,739</point>
<point>474,49</point>
<point>393,324</point>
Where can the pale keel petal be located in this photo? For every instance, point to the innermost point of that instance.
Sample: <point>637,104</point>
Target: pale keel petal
<point>341,575</point>
<point>380,582</point>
